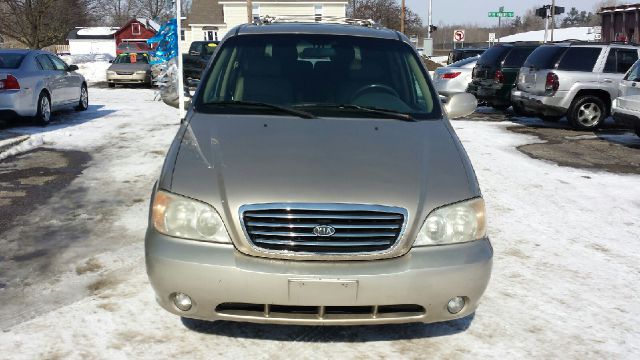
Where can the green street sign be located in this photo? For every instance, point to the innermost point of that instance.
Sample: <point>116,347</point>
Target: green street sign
<point>500,13</point>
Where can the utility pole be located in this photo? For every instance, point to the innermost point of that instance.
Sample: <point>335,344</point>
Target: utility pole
<point>402,19</point>
<point>546,23</point>
<point>249,11</point>
<point>553,17</point>
<point>430,19</point>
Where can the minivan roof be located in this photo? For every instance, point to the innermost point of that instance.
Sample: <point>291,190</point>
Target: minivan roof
<point>319,28</point>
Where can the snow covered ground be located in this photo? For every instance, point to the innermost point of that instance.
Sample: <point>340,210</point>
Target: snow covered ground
<point>93,67</point>
<point>565,282</point>
<point>584,33</point>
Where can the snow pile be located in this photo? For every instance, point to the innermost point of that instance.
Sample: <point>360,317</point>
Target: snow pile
<point>92,66</point>
<point>97,31</point>
<point>440,59</point>
<point>23,146</point>
<point>584,33</point>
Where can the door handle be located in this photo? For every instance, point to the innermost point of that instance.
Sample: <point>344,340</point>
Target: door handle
<point>633,84</point>
<point>607,81</point>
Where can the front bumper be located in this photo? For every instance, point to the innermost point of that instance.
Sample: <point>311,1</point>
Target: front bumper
<point>541,105</point>
<point>129,79</point>
<point>626,118</point>
<point>215,274</point>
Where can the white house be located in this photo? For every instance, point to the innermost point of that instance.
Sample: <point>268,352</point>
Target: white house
<point>92,40</point>
<point>211,19</point>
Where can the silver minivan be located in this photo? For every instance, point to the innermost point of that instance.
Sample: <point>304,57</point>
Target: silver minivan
<point>316,179</point>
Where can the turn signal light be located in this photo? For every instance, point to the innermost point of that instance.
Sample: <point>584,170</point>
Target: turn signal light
<point>552,83</point>
<point>499,76</point>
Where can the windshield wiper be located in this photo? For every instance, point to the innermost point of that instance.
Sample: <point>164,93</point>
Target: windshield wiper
<point>282,109</point>
<point>386,112</point>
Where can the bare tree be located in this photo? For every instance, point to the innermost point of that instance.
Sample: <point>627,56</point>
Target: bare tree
<point>387,12</point>
<point>158,10</point>
<point>40,23</point>
<point>117,12</point>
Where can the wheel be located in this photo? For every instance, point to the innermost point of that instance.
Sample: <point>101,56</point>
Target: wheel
<point>501,107</point>
<point>43,116</point>
<point>551,118</point>
<point>587,113</point>
<point>84,99</point>
<point>112,85</point>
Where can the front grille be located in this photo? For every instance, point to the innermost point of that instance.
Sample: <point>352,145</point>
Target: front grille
<point>357,228</point>
<point>320,312</point>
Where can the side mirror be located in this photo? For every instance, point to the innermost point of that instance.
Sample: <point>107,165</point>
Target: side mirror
<point>460,105</point>
<point>73,67</point>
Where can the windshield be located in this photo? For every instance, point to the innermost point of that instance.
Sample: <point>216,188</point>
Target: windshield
<point>131,59</point>
<point>10,61</point>
<point>323,74</point>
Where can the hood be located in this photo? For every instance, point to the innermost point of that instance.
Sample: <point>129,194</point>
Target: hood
<point>232,160</point>
<point>130,67</point>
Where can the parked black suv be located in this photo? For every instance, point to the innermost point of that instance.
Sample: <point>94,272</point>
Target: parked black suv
<point>496,73</point>
<point>460,54</point>
<point>198,57</point>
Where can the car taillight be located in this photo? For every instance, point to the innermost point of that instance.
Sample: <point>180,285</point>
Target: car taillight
<point>552,83</point>
<point>451,75</point>
<point>10,83</point>
<point>499,76</point>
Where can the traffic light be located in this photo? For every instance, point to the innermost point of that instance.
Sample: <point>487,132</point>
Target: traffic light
<point>542,12</point>
<point>432,28</point>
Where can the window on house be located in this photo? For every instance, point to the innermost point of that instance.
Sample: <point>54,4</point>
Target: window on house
<point>255,12</point>
<point>135,29</point>
<point>318,12</point>
<point>210,35</point>
<point>182,35</point>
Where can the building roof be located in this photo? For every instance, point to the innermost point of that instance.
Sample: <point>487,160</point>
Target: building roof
<point>96,32</point>
<point>205,12</point>
<point>627,7</point>
<point>149,24</point>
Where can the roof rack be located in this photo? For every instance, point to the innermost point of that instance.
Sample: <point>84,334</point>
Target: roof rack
<point>266,20</point>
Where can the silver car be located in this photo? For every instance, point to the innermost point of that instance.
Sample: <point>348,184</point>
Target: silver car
<point>34,83</point>
<point>454,78</point>
<point>316,179</point>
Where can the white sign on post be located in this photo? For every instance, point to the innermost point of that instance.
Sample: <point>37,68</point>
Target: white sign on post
<point>492,37</point>
<point>458,36</point>
<point>597,36</point>
<point>597,29</point>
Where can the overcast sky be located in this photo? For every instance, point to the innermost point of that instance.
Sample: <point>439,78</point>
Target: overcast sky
<point>475,11</point>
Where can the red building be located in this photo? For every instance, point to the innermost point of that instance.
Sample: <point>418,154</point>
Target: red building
<point>133,35</point>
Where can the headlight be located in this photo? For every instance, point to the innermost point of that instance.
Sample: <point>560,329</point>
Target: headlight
<point>455,223</point>
<point>109,72</point>
<point>179,216</point>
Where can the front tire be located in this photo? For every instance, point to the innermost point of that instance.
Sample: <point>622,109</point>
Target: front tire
<point>43,116</point>
<point>587,113</point>
<point>83,104</point>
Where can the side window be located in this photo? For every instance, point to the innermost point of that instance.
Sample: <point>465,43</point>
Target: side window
<point>626,59</point>
<point>620,60</point>
<point>44,62</point>
<point>57,63</point>
<point>579,59</point>
<point>634,73</point>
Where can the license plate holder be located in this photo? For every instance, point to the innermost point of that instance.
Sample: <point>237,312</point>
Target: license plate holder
<point>323,291</point>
